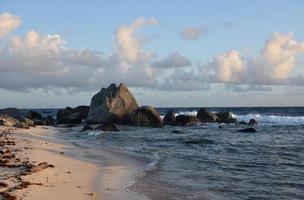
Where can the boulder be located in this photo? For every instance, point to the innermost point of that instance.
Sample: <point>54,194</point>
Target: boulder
<point>40,121</point>
<point>185,120</point>
<point>111,104</point>
<point>33,114</point>
<point>72,115</point>
<point>50,120</point>
<point>252,122</point>
<point>27,121</point>
<point>205,116</point>
<point>13,112</point>
<point>225,117</point>
<point>247,130</point>
<point>22,125</point>
<point>6,120</point>
<point>169,118</point>
<point>108,127</point>
<point>145,116</point>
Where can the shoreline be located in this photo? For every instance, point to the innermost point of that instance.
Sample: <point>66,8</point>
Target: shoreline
<point>105,175</point>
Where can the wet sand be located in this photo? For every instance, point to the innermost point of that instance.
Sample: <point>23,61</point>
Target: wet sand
<point>77,173</point>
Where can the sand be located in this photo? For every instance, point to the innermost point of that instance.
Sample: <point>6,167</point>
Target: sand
<point>75,176</point>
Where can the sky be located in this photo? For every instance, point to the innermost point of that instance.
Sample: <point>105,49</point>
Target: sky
<point>209,53</point>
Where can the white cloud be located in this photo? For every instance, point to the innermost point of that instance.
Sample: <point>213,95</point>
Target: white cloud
<point>128,45</point>
<point>8,22</point>
<point>174,60</point>
<point>192,33</point>
<point>229,67</point>
<point>276,59</point>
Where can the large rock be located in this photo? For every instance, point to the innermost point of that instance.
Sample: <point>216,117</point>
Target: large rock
<point>145,116</point>
<point>6,120</point>
<point>111,104</point>
<point>205,116</point>
<point>225,117</point>
<point>169,118</point>
<point>13,112</point>
<point>33,114</point>
<point>185,120</point>
<point>72,115</point>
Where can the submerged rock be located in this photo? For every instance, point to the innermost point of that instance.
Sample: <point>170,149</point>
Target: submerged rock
<point>247,130</point>
<point>185,120</point>
<point>145,116</point>
<point>111,105</point>
<point>170,118</point>
<point>205,116</point>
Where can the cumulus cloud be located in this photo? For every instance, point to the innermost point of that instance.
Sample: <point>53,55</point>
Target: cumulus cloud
<point>128,45</point>
<point>192,33</point>
<point>276,59</point>
<point>174,60</point>
<point>8,22</point>
<point>229,67</point>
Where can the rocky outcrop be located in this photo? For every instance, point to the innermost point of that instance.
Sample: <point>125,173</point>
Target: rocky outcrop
<point>185,120</point>
<point>145,116</point>
<point>6,120</point>
<point>108,127</point>
<point>169,118</point>
<point>72,115</point>
<point>33,114</point>
<point>111,105</point>
<point>12,112</point>
<point>225,117</point>
<point>205,116</point>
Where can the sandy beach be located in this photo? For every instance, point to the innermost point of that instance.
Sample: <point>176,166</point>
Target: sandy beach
<point>74,175</point>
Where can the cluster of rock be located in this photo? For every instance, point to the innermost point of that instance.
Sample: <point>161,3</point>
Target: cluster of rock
<point>110,107</point>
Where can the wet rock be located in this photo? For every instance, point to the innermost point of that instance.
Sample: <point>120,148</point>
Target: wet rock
<point>111,104</point>
<point>72,115</point>
<point>177,131</point>
<point>225,117</point>
<point>185,120</point>
<point>170,118</point>
<point>247,130</point>
<point>145,116</point>
<point>205,116</point>
<point>252,122</point>
<point>108,127</point>
<point>33,114</point>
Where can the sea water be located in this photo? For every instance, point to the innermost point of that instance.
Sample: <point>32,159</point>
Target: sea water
<point>213,161</point>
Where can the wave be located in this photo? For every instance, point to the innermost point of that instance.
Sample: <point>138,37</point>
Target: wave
<point>272,119</point>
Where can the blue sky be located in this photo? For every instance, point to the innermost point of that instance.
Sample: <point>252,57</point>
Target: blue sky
<point>222,26</point>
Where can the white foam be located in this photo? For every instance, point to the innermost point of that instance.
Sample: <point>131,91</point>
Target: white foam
<point>94,133</point>
<point>272,119</point>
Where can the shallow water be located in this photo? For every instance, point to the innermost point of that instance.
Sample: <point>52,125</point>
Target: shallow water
<point>209,162</point>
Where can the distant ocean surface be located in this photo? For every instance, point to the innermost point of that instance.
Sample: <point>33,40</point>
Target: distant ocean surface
<point>208,162</point>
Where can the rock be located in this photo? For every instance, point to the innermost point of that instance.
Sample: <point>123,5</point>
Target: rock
<point>177,132</point>
<point>185,120</point>
<point>21,125</point>
<point>74,118</point>
<point>169,118</point>
<point>72,115</point>
<point>40,121</point>
<point>29,122</point>
<point>145,116</point>
<point>247,130</point>
<point>111,104</point>
<point>6,120</point>
<point>225,117</point>
<point>252,122</point>
<point>13,112</point>
<point>87,127</point>
<point>50,120</point>
<point>33,114</point>
<point>108,127</point>
<point>205,116</point>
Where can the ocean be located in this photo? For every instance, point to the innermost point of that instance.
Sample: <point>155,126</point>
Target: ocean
<point>212,161</point>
